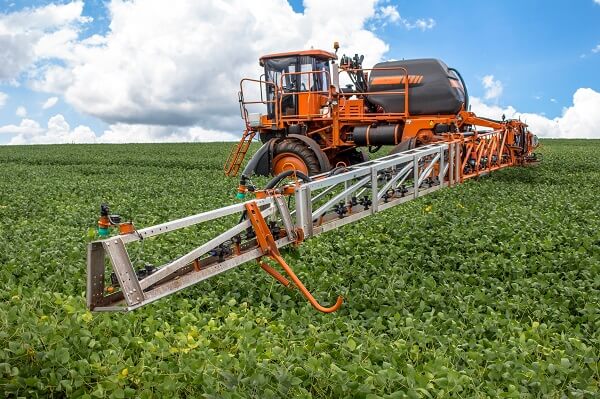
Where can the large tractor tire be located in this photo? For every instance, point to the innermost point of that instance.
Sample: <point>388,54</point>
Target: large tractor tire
<point>292,154</point>
<point>350,157</point>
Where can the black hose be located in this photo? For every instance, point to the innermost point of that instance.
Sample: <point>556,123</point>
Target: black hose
<point>337,170</point>
<point>285,174</point>
<point>464,87</point>
<point>274,181</point>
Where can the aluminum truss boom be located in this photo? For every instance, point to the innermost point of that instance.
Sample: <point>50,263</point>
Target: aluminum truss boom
<point>322,204</point>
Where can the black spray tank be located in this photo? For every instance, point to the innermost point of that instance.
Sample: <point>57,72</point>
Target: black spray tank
<point>433,87</point>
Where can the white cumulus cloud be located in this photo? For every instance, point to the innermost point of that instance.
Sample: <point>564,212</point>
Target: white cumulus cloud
<point>424,24</point>
<point>124,133</point>
<point>33,34</point>
<point>579,120</point>
<point>58,131</point>
<point>21,112</point>
<point>3,98</point>
<point>390,13</point>
<point>26,127</point>
<point>50,102</point>
<point>172,73</point>
<point>493,88</point>
<point>181,65</point>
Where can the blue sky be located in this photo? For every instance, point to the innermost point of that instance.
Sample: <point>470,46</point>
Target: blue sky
<point>538,53</point>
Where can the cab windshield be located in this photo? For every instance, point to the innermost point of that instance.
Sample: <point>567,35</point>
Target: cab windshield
<point>293,75</point>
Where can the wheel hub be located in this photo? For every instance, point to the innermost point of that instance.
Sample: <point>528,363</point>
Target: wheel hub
<point>288,161</point>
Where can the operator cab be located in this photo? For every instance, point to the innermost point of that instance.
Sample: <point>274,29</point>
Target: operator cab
<point>299,76</point>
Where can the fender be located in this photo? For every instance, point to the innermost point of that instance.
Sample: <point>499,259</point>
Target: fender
<point>260,163</point>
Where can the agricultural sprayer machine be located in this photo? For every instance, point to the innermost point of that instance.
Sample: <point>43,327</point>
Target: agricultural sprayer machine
<point>314,134</point>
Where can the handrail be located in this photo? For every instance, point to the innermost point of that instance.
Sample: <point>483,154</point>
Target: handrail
<point>279,92</point>
<point>260,82</point>
<point>243,103</point>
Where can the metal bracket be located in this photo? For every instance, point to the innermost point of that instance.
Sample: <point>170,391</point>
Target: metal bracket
<point>124,270</point>
<point>268,247</point>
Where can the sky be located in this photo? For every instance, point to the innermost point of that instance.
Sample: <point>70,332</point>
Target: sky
<point>154,71</point>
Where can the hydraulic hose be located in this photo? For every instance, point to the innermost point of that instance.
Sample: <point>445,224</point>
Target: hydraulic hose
<point>337,170</point>
<point>283,175</point>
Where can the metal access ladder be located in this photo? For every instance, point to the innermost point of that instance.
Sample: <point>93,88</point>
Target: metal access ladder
<point>238,153</point>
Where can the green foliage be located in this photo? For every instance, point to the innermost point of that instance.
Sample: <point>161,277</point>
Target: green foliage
<point>488,289</point>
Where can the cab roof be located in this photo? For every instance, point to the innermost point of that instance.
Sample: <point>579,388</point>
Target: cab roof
<point>322,54</point>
